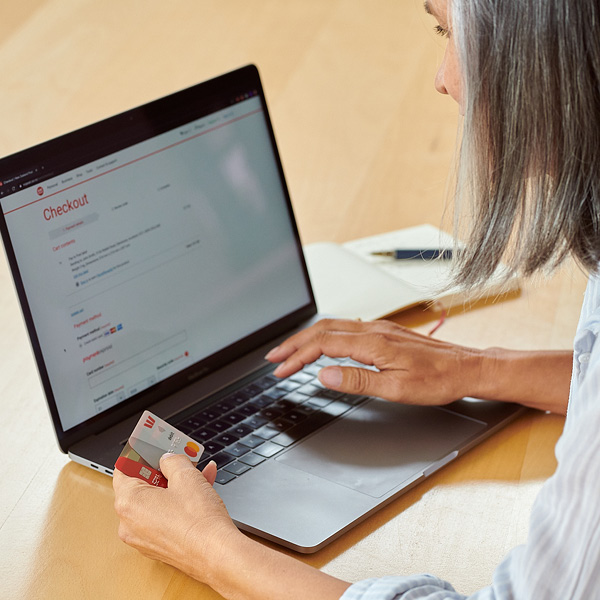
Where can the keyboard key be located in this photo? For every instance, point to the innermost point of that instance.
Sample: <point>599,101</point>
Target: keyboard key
<point>307,409</point>
<point>184,428</point>
<point>241,430</point>
<point>331,394</point>
<point>211,447</point>
<point>310,424</point>
<point>275,393</point>
<point>255,421</point>
<point>251,459</point>
<point>248,409</point>
<point>296,397</point>
<point>252,441</point>
<point>296,416</point>
<point>194,423</point>
<point>268,449</point>
<point>238,398</point>
<point>203,435</point>
<point>221,459</point>
<point>336,408</point>
<point>284,405</point>
<point>266,432</point>
<point>252,390</point>
<point>326,361</point>
<point>287,438</point>
<point>225,406</point>
<point>312,369</point>
<point>226,439</point>
<point>320,400</point>
<point>234,417</point>
<point>263,401</point>
<point>310,389</point>
<point>281,424</point>
<point>237,468</point>
<point>224,477</point>
<point>264,383</point>
<point>237,450</point>
<point>288,385</point>
<point>301,377</point>
<point>220,425</point>
<point>271,413</point>
<point>354,400</point>
<point>209,414</point>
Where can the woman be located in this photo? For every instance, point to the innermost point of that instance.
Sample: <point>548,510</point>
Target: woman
<point>526,75</point>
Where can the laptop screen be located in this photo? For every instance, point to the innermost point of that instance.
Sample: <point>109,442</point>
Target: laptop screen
<point>143,262</point>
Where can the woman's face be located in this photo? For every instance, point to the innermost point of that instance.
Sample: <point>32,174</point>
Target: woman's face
<point>447,79</point>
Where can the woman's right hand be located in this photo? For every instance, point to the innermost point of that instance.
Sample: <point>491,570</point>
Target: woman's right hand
<point>411,368</point>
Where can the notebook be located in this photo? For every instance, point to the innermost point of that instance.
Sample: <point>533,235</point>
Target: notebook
<point>350,282</point>
<point>156,259</point>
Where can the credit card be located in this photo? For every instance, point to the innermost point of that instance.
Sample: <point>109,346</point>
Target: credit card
<point>150,439</point>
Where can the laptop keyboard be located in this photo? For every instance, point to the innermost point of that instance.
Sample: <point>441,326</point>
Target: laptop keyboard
<point>256,422</point>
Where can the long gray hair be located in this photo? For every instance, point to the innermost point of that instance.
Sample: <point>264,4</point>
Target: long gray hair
<point>528,172</point>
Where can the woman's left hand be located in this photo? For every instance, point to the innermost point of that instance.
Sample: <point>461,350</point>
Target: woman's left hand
<point>410,368</point>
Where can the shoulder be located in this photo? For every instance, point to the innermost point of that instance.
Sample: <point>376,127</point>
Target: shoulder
<point>586,351</point>
<point>591,299</point>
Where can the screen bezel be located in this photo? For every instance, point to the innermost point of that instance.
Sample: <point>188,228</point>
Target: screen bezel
<point>110,135</point>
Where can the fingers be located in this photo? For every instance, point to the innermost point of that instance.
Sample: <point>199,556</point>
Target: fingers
<point>173,464</point>
<point>170,464</point>
<point>289,346</point>
<point>353,380</point>
<point>210,472</point>
<point>124,482</point>
<point>126,489</point>
<point>364,347</point>
<point>332,337</point>
<point>192,519</point>
<point>411,368</point>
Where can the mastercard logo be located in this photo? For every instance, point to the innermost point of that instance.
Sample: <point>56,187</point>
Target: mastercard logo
<point>191,449</point>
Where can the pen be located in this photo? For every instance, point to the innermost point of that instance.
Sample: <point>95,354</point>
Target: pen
<point>416,254</point>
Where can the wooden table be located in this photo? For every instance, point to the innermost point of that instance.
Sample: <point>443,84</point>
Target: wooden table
<point>366,143</point>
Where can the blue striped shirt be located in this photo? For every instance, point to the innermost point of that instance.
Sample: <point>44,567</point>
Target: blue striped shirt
<point>561,558</point>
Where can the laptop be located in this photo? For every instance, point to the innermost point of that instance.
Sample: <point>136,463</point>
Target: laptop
<point>156,259</point>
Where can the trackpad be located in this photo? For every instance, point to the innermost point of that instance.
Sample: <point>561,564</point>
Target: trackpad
<point>381,444</point>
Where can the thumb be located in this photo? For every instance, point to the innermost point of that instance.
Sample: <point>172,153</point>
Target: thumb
<point>210,472</point>
<point>351,380</point>
<point>171,463</point>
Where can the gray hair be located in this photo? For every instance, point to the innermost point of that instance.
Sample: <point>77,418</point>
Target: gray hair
<point>528,171</point>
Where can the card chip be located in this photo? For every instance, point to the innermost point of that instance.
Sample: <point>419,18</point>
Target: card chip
<point>145,473</point>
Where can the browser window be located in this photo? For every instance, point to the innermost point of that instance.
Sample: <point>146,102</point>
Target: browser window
<point>143,262</point>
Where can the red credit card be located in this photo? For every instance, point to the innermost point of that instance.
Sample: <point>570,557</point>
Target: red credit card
<point>133,468</point>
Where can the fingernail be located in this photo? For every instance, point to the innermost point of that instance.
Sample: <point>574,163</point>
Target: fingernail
<point>271,353</point>
<point>278,370</point>
<point>332,377</point>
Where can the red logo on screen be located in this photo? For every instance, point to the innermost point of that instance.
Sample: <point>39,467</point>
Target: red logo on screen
<point>40,191</point>
<point>149,423</point>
